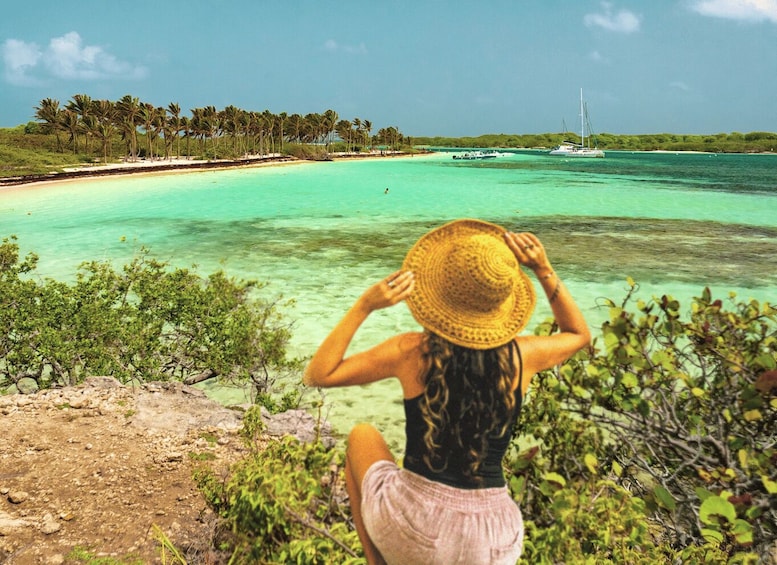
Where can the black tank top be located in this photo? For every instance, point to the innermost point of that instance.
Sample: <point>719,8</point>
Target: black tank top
<point>490,472</point>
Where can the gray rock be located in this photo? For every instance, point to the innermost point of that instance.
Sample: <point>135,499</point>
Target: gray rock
<point>299,424</point>
<point>17,496</point>
<point>27,386</point>
<point>50,525</point>
<point>102,382</point>
<point>9,523</point>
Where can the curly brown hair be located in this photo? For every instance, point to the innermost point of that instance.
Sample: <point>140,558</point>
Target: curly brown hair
<point>468,398</point>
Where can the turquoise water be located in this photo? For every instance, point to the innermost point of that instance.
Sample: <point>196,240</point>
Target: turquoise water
<point>321,232</point>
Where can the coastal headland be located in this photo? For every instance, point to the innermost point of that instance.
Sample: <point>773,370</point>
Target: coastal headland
<point>176,165</point>
<point>106,468</point>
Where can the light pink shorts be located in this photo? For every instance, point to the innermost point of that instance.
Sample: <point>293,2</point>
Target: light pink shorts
<point>412,520</point>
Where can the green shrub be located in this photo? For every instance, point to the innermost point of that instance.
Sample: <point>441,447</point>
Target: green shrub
<point>656,444</point>
<point>306,151</point>
<point>680,414</point>
<point>285,503</point>
<point>145,322</point>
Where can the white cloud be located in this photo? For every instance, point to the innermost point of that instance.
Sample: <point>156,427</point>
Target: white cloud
<point>66,57</point>
<point>19,57</point>
<point>680,85</point>
<point>623,21</point>
<point>745,10</point>
<point>332,45</point>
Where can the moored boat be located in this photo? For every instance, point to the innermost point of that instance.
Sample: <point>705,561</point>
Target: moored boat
<point>472,155</point>
<point>582,149</point>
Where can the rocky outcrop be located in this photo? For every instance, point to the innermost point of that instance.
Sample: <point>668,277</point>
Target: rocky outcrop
<point>102,465</point>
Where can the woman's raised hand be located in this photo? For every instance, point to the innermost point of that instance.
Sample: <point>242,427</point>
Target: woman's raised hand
<point>529,251</point>
<point>389,291</point>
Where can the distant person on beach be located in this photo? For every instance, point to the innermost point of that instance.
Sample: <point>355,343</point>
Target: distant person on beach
<point>463,381</point>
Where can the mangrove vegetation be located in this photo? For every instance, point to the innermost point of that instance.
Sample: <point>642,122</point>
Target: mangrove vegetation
<point>656,444</point>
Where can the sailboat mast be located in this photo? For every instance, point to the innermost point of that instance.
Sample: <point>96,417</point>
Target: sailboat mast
<point>582,121</point>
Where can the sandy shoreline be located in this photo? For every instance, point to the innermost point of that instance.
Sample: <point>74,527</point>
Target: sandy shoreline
<point>163,166</point>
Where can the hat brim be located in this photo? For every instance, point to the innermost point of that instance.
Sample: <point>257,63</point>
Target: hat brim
<point>426,259</point>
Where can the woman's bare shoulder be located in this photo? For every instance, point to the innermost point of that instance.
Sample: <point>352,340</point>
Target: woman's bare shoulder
<point>412,349</point>
<point>410,341</point>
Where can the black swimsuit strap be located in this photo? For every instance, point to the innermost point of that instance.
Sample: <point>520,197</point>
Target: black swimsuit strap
<point>520,369</point>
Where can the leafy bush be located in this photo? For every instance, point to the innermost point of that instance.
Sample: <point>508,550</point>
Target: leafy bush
<point>679,415</point>
<point>657,444</point>
<point>144,322</point>
<point>284,503</point>
<point>306,152</point>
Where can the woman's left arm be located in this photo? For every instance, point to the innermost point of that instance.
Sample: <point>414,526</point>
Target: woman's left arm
<point>328,366</point>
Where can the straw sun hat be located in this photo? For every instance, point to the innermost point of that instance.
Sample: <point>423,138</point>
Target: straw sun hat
<point>469,287</point>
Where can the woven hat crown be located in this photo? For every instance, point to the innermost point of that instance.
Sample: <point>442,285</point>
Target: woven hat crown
<point>481,275</point>
<point>469,287</point>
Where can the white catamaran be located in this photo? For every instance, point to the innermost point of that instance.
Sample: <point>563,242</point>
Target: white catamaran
<point>570,149</point>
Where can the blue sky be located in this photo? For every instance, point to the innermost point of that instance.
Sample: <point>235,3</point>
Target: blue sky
<point>450,68</point>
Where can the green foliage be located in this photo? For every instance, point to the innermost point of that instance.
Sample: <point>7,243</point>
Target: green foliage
<point>680,415</point>
<point>277,404</point>
<point>29,151</point>
<point>94,131</point>
<point>81,555</point>
<point>734,142</point>
<point>305,151</point>
<point>169,553</point>
<point>145,322</point>
<point>656,444</point>
<point>284,503</point>
<point>253,426</point>
<point>598,522</point>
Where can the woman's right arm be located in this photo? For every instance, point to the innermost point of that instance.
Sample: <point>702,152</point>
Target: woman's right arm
<point>330,367</point>
<point>544,352</point>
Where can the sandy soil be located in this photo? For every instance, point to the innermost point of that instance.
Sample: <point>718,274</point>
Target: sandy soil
<point>101,466</point>
<point>161,166</point>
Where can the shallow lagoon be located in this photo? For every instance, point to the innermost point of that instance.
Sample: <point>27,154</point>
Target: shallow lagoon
<point>320,232</point>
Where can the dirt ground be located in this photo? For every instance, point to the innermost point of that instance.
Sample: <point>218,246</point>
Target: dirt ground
<point>103,468</point>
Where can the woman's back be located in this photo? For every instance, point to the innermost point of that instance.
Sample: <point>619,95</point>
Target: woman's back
<point>458,430</point>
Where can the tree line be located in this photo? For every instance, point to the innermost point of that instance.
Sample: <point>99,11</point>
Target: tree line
<point>734,142</point>
<point>229,132</point>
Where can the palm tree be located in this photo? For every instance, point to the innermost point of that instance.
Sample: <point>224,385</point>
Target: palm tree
<point>152,120</point>
<point>230,120</point>
<point>154,123</point>
<point>248,131</point>
<point>281,118</point>
<point>253,131</point>
<point>295,126</point>
<point>268,127</point>
<point>104,126</point>
<point>175,124</point>
<point>81,104</point>
<point>367,124</point>
<point>128,109</point>
<point>71,124</point>
<point>212,126</point>
<point>311,128</point>
<point>357,124</point>
<point>244,130</point>
<point>205,124</point>
<point>186,130</point>
<point>328,126</point>
<point>50,114</point>
<point>345,132</point>
<point>196,127</point>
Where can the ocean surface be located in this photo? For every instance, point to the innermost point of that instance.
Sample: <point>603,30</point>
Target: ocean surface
<point>322,232</point>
